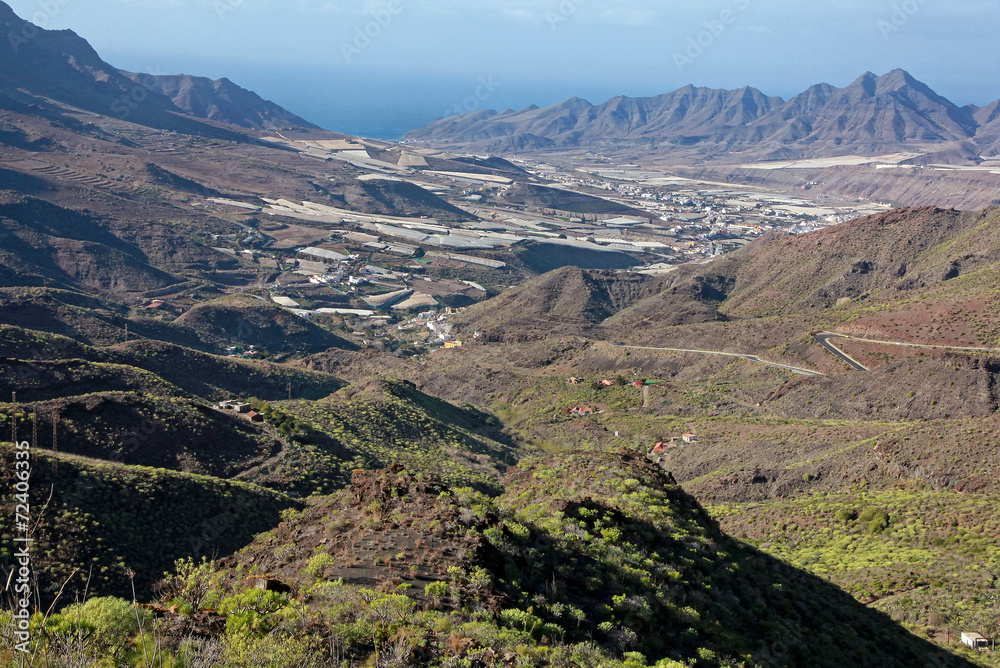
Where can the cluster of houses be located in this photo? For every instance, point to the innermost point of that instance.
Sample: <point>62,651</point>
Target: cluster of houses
<point>241,408</point>
<point>243,352</point>
<point>439,328</point>
<point>664,446</point>
<point>607,382</point>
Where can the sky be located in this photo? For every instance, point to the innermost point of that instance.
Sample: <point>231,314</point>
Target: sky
<point>380,67</point>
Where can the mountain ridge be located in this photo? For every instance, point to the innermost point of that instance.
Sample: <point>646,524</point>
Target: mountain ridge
<point>220,100</point>
<point>873,113</point>
<point>41,67</point>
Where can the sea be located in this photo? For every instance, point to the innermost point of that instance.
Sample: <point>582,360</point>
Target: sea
<point>386,105</point>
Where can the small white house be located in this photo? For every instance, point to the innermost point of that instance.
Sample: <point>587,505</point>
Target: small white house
<point>974,640</point>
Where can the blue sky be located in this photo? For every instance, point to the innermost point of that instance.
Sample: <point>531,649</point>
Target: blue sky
<point>383,66</point>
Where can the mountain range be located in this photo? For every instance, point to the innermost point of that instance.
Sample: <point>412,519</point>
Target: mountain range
<point>220,100</point>
<point>40,67</point>
<point>874,113</point>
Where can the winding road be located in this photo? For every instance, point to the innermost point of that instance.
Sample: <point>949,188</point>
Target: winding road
<point>823,339</point>
<point>752,358</point>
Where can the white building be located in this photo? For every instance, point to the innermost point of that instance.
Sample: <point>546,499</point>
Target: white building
<point>974,640</point>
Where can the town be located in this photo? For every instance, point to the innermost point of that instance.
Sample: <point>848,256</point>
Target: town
<point>391,282</point>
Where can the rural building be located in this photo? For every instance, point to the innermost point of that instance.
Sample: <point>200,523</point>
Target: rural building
<point>359,237</point>
<point>583,410</point>
<point>254,416</point>
<point>689,438</point>
<point>323,254</point>
<point>452,344</point>
<point>663,446</point>
<point>364,313</point>
<point>285,301</point>
<point>416,300</point>
<point>974,640</point>
<point>388,299</point>
<point>623,221</point>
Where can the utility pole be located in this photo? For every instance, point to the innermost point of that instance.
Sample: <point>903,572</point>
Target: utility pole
<point>289,391</point>
<point>126,332</point>
<point>55,440</point>
<point>34,428</point>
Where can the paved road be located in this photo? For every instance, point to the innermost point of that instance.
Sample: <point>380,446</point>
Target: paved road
<point>920,345</point>
<point>823,338</point>
<point>752,358</point>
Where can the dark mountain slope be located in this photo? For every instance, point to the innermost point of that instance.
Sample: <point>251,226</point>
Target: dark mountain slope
<point>61,66</point>
<point>381,422</point>
<point>566,300</point>
<point>145,429</point>
<point>604,518</point>
<point>86,319</point>
<point>988,137</point>
<point>599,553</point>
<point>161,368</point>
<point>687,112</point>
<point>47,245</point>
<point>244,320</point>
<point>106,519</point>
<point>213,378</point>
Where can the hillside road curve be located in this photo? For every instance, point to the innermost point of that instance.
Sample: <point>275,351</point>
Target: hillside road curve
<point>752,358</point>
<point>823,339</point>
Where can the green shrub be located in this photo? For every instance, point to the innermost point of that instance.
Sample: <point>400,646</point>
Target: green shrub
<point>317,564</point>
<point>520,620</point>
<point>273,651</point>
<point>846,515</point>
<point>108,621</point>
<point>876,519</point>
<point>253,610</point>
<point>191,585</point>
